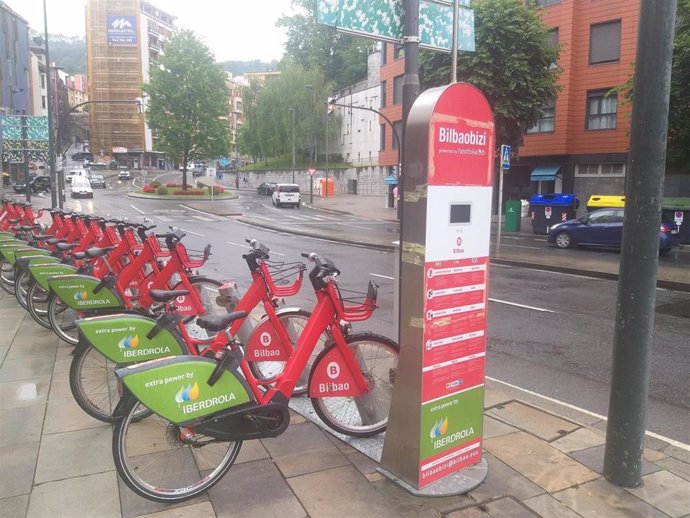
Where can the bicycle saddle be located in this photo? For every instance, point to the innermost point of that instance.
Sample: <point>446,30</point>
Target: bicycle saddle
<point>219,322</point>
<point>166,295</point>
<point>29,227</point>
<point>63,247</point>
<point>98,252</point>
<point>55,240</point>
<point>78,255</point>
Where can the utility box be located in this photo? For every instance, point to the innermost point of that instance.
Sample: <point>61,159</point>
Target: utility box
<point>548,209</point>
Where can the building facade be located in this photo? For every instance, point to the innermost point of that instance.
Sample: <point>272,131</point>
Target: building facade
<point>77,91</point>
<point>38,81</point>
<point>235,86</point>
<point>15,96</point>
<point>123,39</point>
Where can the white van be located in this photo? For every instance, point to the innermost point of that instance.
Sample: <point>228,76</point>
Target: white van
<point>286,194</point>
<point>81,187</point>
<point>77,172</point>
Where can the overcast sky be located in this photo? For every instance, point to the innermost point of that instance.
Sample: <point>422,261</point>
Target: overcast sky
<point>233,29</point>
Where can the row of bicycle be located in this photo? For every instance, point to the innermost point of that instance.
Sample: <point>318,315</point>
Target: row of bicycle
<point>182,364</point>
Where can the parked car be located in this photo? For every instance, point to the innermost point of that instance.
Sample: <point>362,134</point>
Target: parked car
<point>81,188</point>
<point>199,171</point>
<point>286,194</point>
<point>603,228</point>
<point>266,188</point>
<point>97,181</point>
<point>82,155</point>
<point>39,183</point>
<point>124,175</point>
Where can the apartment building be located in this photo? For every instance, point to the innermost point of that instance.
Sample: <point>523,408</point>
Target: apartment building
<point>38,81</point>
<point>123,39</point>
<point>77,91</point>
<point>14,69</point>
<point>235,109</point>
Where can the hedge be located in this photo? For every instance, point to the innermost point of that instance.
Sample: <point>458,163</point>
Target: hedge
<point>189,192</point>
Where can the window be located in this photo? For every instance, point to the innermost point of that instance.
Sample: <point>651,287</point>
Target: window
<point>553,40</point>
<point>601,110</point>
<point>397,89</point>
<point>43,102</point>
<point>383,94</point>
<point>547,120</point>
<point>382,138</point>
<point>605,42</point>
<point>601,170</point>
<point>397,126</point>
<point>43,81</point>
<point>547,3</point>
<point>398,51</point>
<point>384,49</point>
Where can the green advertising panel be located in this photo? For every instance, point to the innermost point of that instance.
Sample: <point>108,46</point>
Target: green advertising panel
<point>26,251</point>
<point>78,292</point>
<point>384,20</point>
<point>449,422</point>
<point>42,260</point>
<point>34,253</point>
<point>177,388</point>
<point>124,338</point>
<point>41,273</point>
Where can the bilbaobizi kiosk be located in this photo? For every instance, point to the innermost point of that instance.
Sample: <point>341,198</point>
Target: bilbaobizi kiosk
<point>433,443</point>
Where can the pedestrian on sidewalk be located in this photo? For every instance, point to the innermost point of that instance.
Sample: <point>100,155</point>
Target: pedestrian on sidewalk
<point>396,197</point>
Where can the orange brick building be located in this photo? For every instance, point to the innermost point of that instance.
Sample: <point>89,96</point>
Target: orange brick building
<point>580,145</point>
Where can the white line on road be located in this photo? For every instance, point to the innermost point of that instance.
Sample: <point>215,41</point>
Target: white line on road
<point>164,218</point>
<point>203,218</point>
<point>521,305</point>
<point>196,210</point>
<point>382,276</point>
<point>672,442</point>
<point>245,246</point>
<point>138,210</point>
<point>191,232</point>
<point>354,226</point>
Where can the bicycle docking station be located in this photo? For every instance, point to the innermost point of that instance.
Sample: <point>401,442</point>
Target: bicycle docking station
<point>433,442</point>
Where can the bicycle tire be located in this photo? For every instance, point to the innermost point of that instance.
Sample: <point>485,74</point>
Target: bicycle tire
<point>35,296</point>
<point>150,453</point>
<point>6,276</point>
<point>345,414</point>
<point>208,299</point>
<point>61,324</point>
<point>21,287</point>
<point>265,370</point>
<point>94,384</point>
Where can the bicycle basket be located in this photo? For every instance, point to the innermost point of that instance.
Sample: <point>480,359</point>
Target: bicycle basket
<point>355,305</point>
<point>283,279</point>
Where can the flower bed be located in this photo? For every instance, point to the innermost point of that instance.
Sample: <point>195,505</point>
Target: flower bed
<point>189,192</point>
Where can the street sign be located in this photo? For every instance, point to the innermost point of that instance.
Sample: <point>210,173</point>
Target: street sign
<point>210,171</point>
<point>219,175</point>
<point>383,20</point>
<point>678,217</point>
<point>505,157</point>
<point>224,162</point>
<point>547,212</point>
<point>312,172</point>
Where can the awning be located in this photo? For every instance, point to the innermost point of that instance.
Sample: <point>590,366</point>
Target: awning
<point>544,173</point>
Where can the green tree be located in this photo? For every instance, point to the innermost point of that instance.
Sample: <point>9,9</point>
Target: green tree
<point>342,58</point>
<point>512,65</point>
<point>188,104</point>
<point>678,151</point>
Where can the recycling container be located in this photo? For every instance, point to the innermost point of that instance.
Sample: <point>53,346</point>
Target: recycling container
<point>548,209</point>
<point>600,201</point>
<point>677,210</point>
<point>512,217</point>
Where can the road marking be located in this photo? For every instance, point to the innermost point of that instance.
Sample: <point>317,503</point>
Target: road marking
<point>521,305</point>
<point>163,218</point>
<point>245,246</point>
<point>203,218</point>
<point>672,442</point>
<point>382,276</point>
<point>354,226</point>
<point>191,232</point>
<point>138,210</point>
<point>196,210</point>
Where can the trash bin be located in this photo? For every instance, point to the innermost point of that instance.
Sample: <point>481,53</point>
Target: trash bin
<point>513,214</point>
<point>599,201</point>
<point>677,210</point>
<point>548,209</point>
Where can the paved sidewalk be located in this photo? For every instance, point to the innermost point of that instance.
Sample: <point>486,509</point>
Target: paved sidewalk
<point>544,459</point>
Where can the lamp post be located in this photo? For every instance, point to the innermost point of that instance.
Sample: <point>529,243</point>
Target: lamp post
<point>311,176</point>
<point>292,110</point>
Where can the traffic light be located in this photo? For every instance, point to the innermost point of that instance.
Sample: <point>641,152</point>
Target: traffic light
<point>331,105</point>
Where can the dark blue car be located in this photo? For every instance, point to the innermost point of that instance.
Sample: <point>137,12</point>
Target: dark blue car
<point>603,228</point>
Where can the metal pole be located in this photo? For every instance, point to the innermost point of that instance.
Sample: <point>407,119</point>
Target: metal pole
<point>634,328</point>
<point>500,204</point>
<point>410,89</point>
<point>25,153</point>
<point>454,46</point>
<point>51,137</point>
<point>327,154</point>
<point>293,144</point>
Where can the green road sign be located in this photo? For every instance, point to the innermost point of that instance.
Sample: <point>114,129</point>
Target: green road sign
<point>383,20</point>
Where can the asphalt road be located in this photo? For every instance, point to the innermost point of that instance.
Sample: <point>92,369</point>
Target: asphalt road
<point>549,333</point>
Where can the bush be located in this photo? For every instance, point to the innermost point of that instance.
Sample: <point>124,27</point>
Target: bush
<point>189,192</point>
<point>155,184</point>
<point>217,189</point>
<point>149,188</point>
<point>162,190</point>
<point>178,185</point>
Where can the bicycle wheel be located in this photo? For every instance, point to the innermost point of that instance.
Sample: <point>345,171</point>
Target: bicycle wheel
<point>294,323</point>
<point>37,304</point>
<point>365,415</point>
<point>6,276</point>
<point>165,463</point>
<point>207,289</point>
<point>21,286</point>
<point>62,319</point>
<point>94,385</point>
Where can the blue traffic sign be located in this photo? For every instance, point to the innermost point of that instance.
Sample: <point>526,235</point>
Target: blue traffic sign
<point>505,157</point>
<point>224,162</point>
<point>219,175</point>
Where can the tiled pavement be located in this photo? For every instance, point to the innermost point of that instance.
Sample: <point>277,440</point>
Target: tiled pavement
<point>543,460</point>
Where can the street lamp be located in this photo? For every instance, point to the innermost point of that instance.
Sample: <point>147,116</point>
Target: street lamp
<point>313,131</point>
<point>311,176</point>
<point>292,110</point>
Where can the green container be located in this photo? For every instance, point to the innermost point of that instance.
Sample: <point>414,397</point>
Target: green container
<point>512,216</point>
